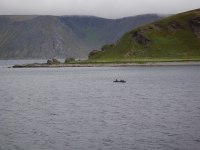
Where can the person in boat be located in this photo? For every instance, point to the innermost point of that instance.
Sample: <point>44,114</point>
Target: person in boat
<point>116,80</point>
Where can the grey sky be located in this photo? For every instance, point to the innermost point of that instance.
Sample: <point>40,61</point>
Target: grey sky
<point>100,8</point>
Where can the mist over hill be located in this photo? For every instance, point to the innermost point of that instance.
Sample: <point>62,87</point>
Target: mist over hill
<point>31,37</point>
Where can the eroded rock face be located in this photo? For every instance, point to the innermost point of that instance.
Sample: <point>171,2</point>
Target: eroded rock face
<point>139,38</point>
<point>174,25</point>
<point>49,62</point>
<point>106,47</point>
<point>55,61</point>
<point>92,53</point>
<point>195,24</point>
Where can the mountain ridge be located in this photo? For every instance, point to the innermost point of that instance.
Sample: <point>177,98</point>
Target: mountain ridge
<point>32,36</point>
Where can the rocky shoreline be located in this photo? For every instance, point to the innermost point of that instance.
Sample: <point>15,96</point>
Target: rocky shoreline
<point>45,65</point>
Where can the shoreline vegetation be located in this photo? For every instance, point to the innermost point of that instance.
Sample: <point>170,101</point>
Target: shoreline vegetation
<point>56,64</point>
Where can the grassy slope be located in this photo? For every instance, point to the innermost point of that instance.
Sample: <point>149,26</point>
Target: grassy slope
<point>166,44</point>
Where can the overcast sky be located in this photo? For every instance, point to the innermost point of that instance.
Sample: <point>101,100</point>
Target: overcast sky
<point>101,8</point>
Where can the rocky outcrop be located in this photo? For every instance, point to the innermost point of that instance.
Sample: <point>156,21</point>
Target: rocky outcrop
<point>192,63</point>
<point>67,60</point>
<point>55,61</point>
<point>140,38</point>
<point>49,62</point>
<point>195,24</point>
<point>106,47</point>
<point>174,26</point>
<point>92,53</point>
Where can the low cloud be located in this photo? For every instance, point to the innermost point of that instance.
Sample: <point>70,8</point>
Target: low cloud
<point>101,8</point>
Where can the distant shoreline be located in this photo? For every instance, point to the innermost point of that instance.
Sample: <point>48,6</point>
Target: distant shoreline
<point>37,65</point>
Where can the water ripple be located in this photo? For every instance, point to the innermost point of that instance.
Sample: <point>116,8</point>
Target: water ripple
<point>81,108</point>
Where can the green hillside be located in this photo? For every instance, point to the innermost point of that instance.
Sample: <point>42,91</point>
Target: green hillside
<point>173,38</point>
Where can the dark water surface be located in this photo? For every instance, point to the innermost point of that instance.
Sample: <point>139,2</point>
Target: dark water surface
<point>82,109</point>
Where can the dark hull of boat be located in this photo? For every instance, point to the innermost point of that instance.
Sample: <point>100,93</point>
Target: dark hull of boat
<point>119,81</point>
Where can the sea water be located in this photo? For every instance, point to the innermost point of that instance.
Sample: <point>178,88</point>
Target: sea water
<point>158,108</point>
